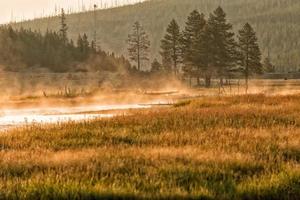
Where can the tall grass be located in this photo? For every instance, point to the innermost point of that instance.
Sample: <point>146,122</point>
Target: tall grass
<point>242,147</point>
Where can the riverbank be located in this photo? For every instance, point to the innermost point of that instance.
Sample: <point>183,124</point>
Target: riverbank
<point>241,147</point>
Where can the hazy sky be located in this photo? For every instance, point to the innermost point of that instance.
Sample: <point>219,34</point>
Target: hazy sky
<point>26,9</point>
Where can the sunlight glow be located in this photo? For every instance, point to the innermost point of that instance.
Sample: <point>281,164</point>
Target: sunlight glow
<point>18,10</point>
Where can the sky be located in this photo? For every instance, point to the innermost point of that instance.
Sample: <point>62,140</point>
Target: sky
<point>16,10</point>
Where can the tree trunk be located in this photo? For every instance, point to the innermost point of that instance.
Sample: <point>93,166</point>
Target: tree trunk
<point>207,81</point>
<point>221,82</point>
<point>138,50</point>
<point>175,68</point>
<point>247,86</point>
<point>198,81</point>
<point>139,60</point>
<point>239,86</point>
<point>247,73</point>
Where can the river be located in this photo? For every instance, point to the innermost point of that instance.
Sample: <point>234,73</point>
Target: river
<point>49,115</point>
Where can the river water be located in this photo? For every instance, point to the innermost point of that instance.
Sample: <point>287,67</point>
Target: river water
<point>50,115</point>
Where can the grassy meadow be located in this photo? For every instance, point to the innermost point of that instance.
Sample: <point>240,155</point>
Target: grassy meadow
<point>239,147</point>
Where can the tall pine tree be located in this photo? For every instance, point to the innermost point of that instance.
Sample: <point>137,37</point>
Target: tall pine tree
<point>224,45</point>
<point>171,47</point>
<point>194,26</point>
<point>63,27</point>
<point>203,54</point>
<point>139,44</point>
<point>250,54</point>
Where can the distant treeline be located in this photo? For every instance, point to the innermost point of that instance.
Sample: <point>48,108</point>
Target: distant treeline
<point>24,49</point>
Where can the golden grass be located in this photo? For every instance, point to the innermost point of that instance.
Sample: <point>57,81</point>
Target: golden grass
<point>240,147</point>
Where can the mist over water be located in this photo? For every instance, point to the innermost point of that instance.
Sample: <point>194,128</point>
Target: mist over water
<point>109,104</point>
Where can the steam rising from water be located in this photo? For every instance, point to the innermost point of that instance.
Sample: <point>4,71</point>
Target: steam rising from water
<point>58,110</point>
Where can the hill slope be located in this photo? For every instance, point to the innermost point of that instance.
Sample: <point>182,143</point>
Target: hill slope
<point>276,22</point>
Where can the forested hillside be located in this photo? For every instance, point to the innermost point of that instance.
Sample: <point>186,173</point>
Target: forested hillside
<point>276,22</point>
<point>27,50</point>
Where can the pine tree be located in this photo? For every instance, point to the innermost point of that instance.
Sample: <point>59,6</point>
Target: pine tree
<point>93,46</point>
<point>156,66</point>
<point>80,43</point>
<point>85,43</point>
<point>83,47</point>
<point>194,26</point>
<point>250,55</point>
<point>63,27</point>
<point>268,66</point>
<point>171,47</point>
<point>80,48</point>
<point>224,45</point>
<point>203,54</point>
<point>139,45</point>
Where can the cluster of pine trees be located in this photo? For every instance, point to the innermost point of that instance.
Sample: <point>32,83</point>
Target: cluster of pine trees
<point>21,49</point>
<point>205,48</point>
<point>32,49</point>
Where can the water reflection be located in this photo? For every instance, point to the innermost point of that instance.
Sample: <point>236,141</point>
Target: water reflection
<point>16,117</point>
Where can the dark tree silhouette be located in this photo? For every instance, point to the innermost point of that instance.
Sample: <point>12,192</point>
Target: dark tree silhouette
<point>171,47</point>
<point>139,45</point>
<point>156,67</point>
<point>194,26</point>
<point>224,45</point>
<point>63,27</point>
<point>250,55</point>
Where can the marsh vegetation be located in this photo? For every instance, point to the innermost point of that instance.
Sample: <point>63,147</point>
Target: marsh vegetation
<point>239,147</point>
